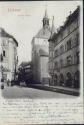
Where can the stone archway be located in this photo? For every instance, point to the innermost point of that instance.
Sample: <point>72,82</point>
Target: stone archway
<point>61,79</point>
<point>77,79</point>
<point>69,79</point>
<point>55,79</point>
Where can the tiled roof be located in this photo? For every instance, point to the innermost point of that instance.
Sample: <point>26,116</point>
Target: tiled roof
<point>3,33</point>
<point>68,21</point>
<point>72,17</point>
<point>44,33</point>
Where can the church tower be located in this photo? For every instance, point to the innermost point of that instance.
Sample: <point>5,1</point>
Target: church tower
<point>40,52</point>
<point>45,20</point>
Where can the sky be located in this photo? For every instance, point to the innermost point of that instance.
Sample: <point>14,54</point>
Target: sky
<point>23,20</point>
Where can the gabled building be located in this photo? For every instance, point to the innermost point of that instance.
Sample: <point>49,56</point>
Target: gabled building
<point>64,53</point>
<point>25,72</point>
<point>8,56</point>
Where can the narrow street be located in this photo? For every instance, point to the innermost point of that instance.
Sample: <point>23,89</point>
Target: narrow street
<point>31,93</point>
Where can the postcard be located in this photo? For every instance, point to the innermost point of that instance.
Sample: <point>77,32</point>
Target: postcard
<point>41,62</point>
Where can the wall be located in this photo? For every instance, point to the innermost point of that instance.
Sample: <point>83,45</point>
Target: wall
<point>9,60</point>
<point>44,67</point>
<point>37,44</point>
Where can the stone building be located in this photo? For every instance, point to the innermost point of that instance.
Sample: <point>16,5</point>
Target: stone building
<point>40,52</point>
<point>8,56</point>
<point>25,72</point>
<point>64,53</point>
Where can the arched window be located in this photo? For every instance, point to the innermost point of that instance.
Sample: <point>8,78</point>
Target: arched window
<point>61,49</point>
<point>69,60</point>
<point>69,79</point>
<point>77,57</point>
<point>61,63</point>
<point>77,38</point>
<point>56,65</point>
<point>56,53</point>
<point>4,53</point>
<point>55,79</point>
<point>77,79</point>
<point>69,44</point>
<point>61,79</point>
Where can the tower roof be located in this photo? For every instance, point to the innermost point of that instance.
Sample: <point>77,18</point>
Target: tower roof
<point>46,14</point>
<point>71,18</point>
<point>43,33</point>
<point>45,19</point>
<point>3,33</point>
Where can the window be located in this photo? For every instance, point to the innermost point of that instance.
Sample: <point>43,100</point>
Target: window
<point>72,43</point>
<point>56,53</point>
<point>61,79</point>
<point>4,53</point>
<point>61,49</point>
<point>77,79</point>
<point>68,28</point>
<point>69,79</point>
<point>77,57</point>
<point>61,35</point>
<point>61,62</point>
<point>69,60</point>
<point>1,57</point>
<point>56,65</point>
<point>77,38</point>
<point>69,44</point>
<point>65,47</point>
<point>55,79</point>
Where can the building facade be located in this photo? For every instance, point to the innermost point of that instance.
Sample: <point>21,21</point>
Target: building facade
<point>8,56</point>
<point>25,73</point>
<point>40,52</point>
<point>64,53</point>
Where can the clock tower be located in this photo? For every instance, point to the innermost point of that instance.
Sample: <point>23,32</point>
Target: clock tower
<point>40,52</point>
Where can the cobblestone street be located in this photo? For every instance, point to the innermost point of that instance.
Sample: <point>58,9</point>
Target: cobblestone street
<point>31,93</point>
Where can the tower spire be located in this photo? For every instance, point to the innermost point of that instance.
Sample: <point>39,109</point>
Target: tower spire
<point>53,27</point>
<point>46,19</point>
<point>46,15</point>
